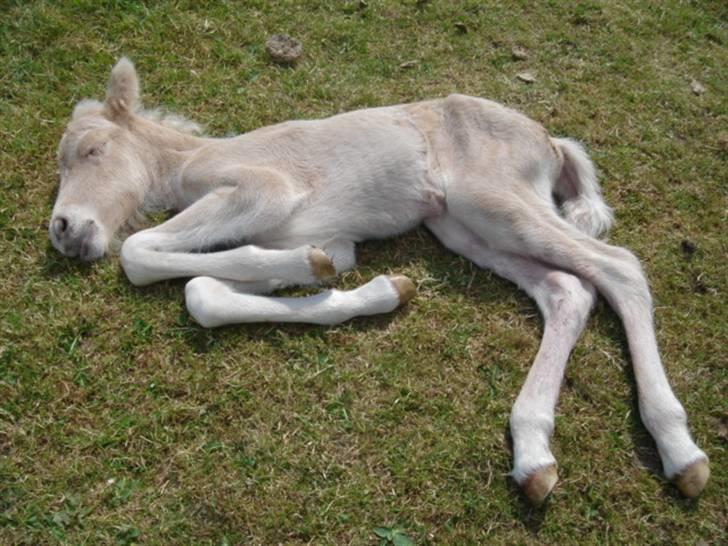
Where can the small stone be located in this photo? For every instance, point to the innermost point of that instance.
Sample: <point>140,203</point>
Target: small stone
<point>283,49</point>
<point>519,53</point>
<point>526,77</point>
<point>408,64</point>
<point>697,87</point>
<point>723,142</point>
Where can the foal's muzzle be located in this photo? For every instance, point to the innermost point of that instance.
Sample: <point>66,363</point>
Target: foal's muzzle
<point>76,238</point>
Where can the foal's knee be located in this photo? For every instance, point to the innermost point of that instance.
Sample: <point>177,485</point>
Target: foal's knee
<point>139,257</point>
<point>132,259</point>
<point>201,295</point>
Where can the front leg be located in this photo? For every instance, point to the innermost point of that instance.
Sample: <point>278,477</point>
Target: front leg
<point>302,265</point>
<point>212,302</point>
<point>225,215</point>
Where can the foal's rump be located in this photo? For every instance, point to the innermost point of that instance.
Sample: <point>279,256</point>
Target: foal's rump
<point>499,157</point>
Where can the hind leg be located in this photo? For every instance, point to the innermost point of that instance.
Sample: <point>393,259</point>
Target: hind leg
<point>527,225</point>
<point>565,302</point>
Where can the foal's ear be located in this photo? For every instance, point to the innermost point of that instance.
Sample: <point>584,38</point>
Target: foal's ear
<point>122,92</point>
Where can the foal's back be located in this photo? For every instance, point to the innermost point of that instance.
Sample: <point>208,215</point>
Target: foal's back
<point>379,172</point>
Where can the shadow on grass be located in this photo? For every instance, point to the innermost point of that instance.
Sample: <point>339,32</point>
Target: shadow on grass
<point>201,340</point>
<point>649,458</point>
<point>54,265</point>
<point>532,517</point>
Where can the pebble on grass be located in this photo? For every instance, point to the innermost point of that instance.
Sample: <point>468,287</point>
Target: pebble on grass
<point>519,54</point>
<point>697,87</point>
<point>526,77</point>
<point>283,49</point>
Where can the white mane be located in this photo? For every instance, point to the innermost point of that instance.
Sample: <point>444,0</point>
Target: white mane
<point>172,120</point>
<point>159,115</point>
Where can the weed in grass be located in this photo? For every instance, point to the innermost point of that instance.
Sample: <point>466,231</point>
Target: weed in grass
<point>392,536</point>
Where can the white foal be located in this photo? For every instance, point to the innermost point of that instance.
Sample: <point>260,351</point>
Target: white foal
<point>289,202</point>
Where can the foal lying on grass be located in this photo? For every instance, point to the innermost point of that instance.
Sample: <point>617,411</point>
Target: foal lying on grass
<point>292,200</point>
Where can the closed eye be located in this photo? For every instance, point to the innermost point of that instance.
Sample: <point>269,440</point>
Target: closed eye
<point>94,151</point>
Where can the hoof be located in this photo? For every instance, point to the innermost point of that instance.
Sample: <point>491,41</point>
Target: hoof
<point>539,484</point>
<point>404,287</point>
<point>692,480</point>
<point>321,264</point>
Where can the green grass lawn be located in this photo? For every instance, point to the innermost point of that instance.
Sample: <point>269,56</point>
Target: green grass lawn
<point>122,421</point>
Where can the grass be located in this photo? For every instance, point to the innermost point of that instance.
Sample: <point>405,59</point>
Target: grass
<point>123,422</point>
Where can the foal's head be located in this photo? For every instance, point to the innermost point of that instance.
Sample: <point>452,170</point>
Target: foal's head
<point>102,168</point>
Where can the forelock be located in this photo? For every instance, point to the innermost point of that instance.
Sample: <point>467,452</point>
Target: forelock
<point>173,121</point>
<point>76,130</point>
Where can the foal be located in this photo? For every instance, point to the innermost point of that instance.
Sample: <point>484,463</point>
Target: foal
<point>292,200</point>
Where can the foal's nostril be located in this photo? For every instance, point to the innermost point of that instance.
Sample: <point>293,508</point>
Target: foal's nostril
<point>60,225</point>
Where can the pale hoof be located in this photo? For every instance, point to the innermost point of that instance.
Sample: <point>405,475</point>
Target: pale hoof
<point>321,264</point>
<point>538,485</point>
<point>692,480</point>
<point>405,288</point>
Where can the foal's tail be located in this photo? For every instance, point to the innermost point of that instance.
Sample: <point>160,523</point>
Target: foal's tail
<point>578,190</point>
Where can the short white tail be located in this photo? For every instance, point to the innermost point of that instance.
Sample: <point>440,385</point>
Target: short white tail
<point>578,189</point>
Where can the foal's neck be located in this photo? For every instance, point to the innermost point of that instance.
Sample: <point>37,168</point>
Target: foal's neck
<point>167,150</point>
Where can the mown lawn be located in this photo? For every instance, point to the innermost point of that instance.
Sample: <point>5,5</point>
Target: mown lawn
<point>123,422</point>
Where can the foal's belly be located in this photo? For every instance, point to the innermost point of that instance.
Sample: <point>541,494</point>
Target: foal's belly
<point>376,180</point>
<point>359,215</point>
